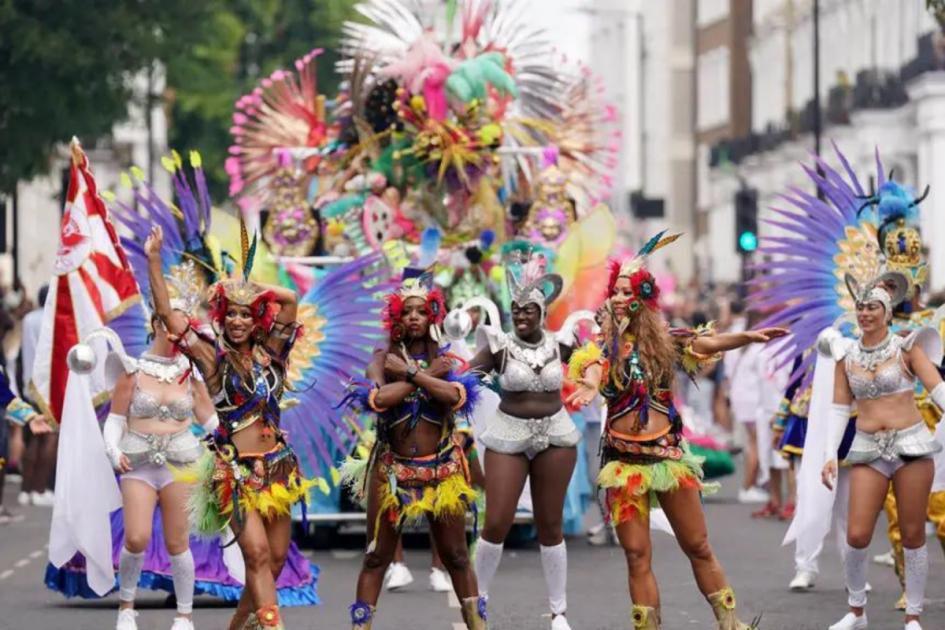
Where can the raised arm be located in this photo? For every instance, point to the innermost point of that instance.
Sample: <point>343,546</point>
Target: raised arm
<point>176,322</point>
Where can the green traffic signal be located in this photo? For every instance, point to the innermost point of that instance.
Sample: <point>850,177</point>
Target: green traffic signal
<point>748,241</point>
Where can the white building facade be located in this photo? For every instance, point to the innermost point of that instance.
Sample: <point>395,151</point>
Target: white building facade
<point>882,85</point>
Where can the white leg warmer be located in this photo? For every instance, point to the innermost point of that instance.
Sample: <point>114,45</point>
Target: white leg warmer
<point>554,564</point>
<point>854,564</point>
<point>182,568</point>
<point>488,557</point>
<point>917,572</point>
<point>129,571</point>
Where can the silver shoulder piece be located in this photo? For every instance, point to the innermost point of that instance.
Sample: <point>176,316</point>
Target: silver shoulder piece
<point>566,335</point>
<point>458,324</point>
<point>83,359</point>
<point>831,343</point>
<point>929,340</point>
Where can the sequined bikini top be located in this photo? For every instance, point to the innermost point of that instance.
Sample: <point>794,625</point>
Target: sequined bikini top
<point>526,367</point>
<point>166,370</point>
<point>878,371</point>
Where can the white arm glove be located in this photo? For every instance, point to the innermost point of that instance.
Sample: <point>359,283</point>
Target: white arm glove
<point>211,424</point>
<point>837,426</point>
<point>938,397</point>
<point>113,431</point>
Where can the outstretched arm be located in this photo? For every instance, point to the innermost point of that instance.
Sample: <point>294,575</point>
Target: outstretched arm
<point>723,342</point>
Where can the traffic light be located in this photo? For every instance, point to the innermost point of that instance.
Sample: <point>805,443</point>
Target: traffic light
<point>746,220</point>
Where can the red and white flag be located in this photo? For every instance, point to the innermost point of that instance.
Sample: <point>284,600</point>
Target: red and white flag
<point>92,284</point>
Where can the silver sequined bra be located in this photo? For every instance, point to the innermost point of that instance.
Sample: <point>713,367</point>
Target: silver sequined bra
<point>877,372</point>
<point>532,368</point>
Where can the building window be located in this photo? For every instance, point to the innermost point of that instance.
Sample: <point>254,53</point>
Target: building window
<point>713,88</point>
<point>709,11</point>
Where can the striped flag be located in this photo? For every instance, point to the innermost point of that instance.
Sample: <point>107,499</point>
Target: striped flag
<point>92,284</point>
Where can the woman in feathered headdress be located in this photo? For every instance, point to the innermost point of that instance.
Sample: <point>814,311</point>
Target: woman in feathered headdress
<point>251,478</point>
<point>417,467</point>
<point>878,372</point>
<point>644,458</point>
<point>531,432</point>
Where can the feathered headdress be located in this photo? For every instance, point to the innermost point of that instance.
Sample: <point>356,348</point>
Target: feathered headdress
<point>529,281</point>
<point>416,283</point>
<point>900,241</point>
<point>241,291</point>
<point>645,290</point>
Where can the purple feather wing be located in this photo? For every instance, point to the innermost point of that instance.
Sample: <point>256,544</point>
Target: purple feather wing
<point>342,319</point>
<point>817,242</point>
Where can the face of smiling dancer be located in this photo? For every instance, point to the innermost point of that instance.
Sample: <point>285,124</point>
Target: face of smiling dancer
<point>415,319</point>
<point>871,317</point>
<point>526,319</point>
<point>621,297</point>
<point>238,324</point>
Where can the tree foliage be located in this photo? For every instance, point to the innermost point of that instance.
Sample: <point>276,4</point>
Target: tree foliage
<point>247,40</point>
<point>65,69</point>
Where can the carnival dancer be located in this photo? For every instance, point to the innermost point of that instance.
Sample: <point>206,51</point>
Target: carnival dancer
<point>900,241</point>
<point>531,435</point>
<point>878,373</point>
<point>417,466</point>
<point>251,479</point>
<point>644,458</point>
<point>148,431</point>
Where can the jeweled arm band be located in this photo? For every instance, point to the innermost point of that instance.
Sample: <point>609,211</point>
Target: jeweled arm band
<point>462,395</point>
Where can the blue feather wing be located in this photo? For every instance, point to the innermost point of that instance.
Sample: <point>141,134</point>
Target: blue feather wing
<point>342,315</point>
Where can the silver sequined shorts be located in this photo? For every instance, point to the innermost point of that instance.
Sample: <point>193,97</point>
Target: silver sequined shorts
<point>146,448</point>
<point>888,451</point>
<point>530,436</point>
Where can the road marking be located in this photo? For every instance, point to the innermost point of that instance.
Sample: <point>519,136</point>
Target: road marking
<point>36,554</point>
<point>452,599</point>
<point>6,574</point>
<point>344,554</point>
<point>21,563</point>
<point>459,626</point>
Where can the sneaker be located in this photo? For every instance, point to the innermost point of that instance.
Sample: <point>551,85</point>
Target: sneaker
<point>560,622</point>
<point>23,498</point>
<point>599,535</point>
<point>885,559</point>
<point>787,512</point>
<point>803,581</point>
<point>399,577</point>
<point>752,495</point>
<point>850,622</point>
<point>43,499</point>
<point>913,625</point>
<point>440,581</point>
<point>182,623</point>
<point>126,619</point>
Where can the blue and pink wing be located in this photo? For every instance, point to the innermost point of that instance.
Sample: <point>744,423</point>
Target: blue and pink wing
<point>342,320</point>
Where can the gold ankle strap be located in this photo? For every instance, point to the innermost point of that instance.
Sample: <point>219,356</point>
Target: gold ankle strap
<point>645,618</point>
